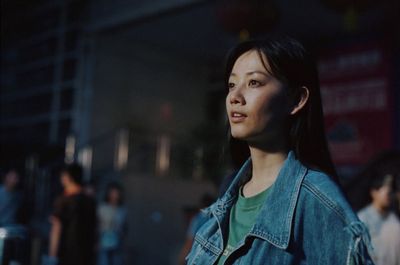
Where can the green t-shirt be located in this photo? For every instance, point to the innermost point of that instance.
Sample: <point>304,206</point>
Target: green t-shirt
<point>242,217</point>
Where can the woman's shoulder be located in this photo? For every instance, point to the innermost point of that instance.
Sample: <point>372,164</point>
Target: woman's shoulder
<point>324,205</point>
<point>321,190</point>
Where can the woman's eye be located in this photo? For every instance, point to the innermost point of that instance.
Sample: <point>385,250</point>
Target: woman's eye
<point>231,85</point>
<point>254,83</point>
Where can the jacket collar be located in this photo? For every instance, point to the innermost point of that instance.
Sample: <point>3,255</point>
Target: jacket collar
<point>274,222</point>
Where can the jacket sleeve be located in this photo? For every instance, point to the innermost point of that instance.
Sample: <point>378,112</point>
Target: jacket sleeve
<point>360,249</point>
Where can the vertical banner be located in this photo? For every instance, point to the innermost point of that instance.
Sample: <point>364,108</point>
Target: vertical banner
<point>356,95</point>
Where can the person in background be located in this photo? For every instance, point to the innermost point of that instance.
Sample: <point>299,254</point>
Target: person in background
<point>13,239</point>
<point>112,219</point>
<point>397,196</point>
<point>382,222</point>
<point>10,198</point>
<point>196,222</point>
<point>73,222</point>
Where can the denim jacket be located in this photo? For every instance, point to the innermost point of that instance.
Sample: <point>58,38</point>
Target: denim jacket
<point>305,219</point>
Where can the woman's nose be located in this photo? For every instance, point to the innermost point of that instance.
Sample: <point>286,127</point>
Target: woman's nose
<point>236,96</point>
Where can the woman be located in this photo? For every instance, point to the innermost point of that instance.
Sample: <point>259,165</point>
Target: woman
<point>284,206</point>
<point>112,225</point>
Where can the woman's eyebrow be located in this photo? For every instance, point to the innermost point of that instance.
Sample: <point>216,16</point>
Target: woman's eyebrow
<point>252,72</point>
<point>257,72</point>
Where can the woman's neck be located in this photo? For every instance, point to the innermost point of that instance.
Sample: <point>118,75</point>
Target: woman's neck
<point>265,169</point>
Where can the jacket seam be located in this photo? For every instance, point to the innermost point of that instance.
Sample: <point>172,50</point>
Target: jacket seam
<point>324,199</point>
<point>206,244</point>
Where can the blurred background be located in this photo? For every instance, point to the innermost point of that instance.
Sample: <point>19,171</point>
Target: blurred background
<point>133,91</point>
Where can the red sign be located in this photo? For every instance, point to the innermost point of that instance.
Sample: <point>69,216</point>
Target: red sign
<point>355,88</point>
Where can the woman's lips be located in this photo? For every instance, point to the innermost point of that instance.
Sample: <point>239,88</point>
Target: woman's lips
<point>237,117</point>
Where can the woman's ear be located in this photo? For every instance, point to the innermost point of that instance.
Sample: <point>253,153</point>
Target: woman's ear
<point>304,95</point>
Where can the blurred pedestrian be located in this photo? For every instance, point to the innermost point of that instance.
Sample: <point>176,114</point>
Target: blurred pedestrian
<point>284,206</point>
<point>10,198</point>
<point>397,195</point>
<point>13,236</point>
<point>382,222</point>
<point>73,222</point>
<point>112,218</point>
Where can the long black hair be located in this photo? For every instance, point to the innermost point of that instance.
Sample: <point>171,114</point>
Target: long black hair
<point>294,67</point>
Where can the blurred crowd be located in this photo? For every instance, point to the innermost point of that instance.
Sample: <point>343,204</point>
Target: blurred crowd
<point>85,230</point>
<point>82,231</point>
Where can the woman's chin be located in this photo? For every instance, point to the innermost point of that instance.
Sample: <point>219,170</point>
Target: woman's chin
<point>239,135</point>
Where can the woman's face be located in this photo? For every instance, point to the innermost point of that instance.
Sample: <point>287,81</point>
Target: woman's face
<point>256,104</point>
